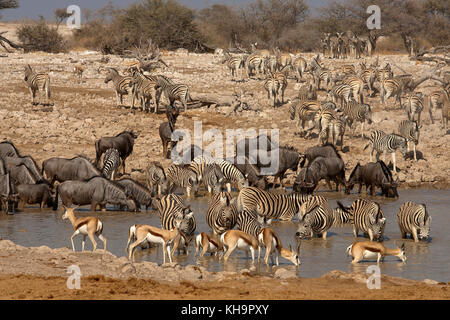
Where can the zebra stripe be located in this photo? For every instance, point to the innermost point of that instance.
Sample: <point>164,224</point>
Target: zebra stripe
<point>272,86</point>
<point>360,112</point>
<point>304,111</point>
<point>254,62</point>
<point>414,105</point>
<point>121,83</point>
<point>250,223</point>
<point>381,141</point>
<point>35,81</point>
<point>111,163</point>
<point>277,206</point>
<point>172,91</point>
<point>213,178</point>
<point>156,178</point>
<point>413,218</point>
<point>222,213</point>
<point>409,130</point>
<point>357,86</point>
<point>233,63</point>
<point>182,176</point>
<point>367,216</point>
<point>144,89</point>
<point>341,93</point>
<point>315,217</point>
<point>172,207</point>
<point>270,64</point>
<point>340,217</point>
<point>232,175</point>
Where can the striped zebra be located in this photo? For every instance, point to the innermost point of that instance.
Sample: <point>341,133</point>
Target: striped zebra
<point>413,218</point>
<point>232,175</point>
<point>414,105</point>
<point>283,59</point>
<point>170,208</point>
<point>251,223</point>
<point>304,111</point>
<point>272,86</point>
<point>346,69</point>
<point>394,87</point>
<point>254,62</point>
<point>270,205</point>
<point>222,213</point>
<point>156,178</point>
<point>182,176</point>
<point>368,75</point>
<point>387,143</point>
<point>337,130</point>
<point>360,112</point>
<point>340,93</point>
<point>199,164</point>
<point>173,91</point>
<point>367,216</point>
<point>357,86</point>
<point>213,178</point>
<point>233,63</point>
<point>315,217</point>
<point>324,119</point>
<point>340,217</point>
<point>143,88</point>
<point>121,84</point>
<point>410,130</point>
<point>282,77</point>
<point>35,82</point>
<point>111,163</point>
<point>270,64</point>
<point>300,66</point>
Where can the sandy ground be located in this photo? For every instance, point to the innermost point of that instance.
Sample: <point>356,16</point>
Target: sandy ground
<point>84,112</point>
<point>41,273</point>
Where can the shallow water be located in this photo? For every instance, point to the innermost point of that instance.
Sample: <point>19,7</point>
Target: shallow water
<point>424,259</point>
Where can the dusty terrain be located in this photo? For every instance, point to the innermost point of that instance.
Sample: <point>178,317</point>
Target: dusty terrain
<point>84,112</point>
<point>41,273</point>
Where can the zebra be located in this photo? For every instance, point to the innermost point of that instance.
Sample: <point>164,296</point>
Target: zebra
<point>270,64</point>
<point>251,223</point>
<point>360,112</point>
<point>232,175</point>
<point>319,74</point>
<point>314,217</point>
<point>222,213</point>
<point>36,81</point>
<point>368,75</point>
<point>173,91</point>
<point>304,111</point>
<point>340,217</point>
<point>111,163</point>
<point>121,83</point>
<point>254,62</point>
<point>367,216</point>
<point>233,63</point>
<point>307,92</point>
<point>182,176</point>
<point>337,129</point>
<point>143,88</point>
<point>324,119</point>
<point>283,59</point>
<point>340,92</point>
<point>276,206</point>
<point>414,106</point>
<point>413,218</point>
<point>282,77</point>
<point>388,143</point>
<point>272,86</point>
<point>213,178</point>
<point>170,208</point>
<point>410,130</point>
<point>199,164</point>
<point>156,178</point>
<point>357,86</point>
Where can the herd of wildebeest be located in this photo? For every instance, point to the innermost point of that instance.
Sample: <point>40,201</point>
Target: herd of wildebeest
<point>242,221</point>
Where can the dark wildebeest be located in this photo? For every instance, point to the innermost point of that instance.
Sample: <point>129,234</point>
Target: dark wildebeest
<point>321,168</point>
<point>95,191</point>
<point>7,149</point>
<point>61,169</point>
<point>26,161</point>
<point>35,193</point>
<point>251,172</point>
<point>123,142</point>
<point>249,147</point>
<point>328,150</point>
<point>6,195</point>
<point>140,194</point>
<point>167,128</point>
<point>373,174</point>
<point>21,175</point>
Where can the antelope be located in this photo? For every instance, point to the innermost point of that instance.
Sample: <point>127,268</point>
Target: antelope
<point>88,226</point>
<point>272,242</point>
<point>208,243</point>
<point>154,235</point>
<point>78,71</point>
<point>233,239</point>
<point>368,249</point>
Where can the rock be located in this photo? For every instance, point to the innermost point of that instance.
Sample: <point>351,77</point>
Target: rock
<point>128,268</point>
<point>430,282</point>
<point>283,273</point>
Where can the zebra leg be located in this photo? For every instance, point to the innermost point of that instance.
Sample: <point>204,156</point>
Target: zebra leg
<point>324,235</point>
<point>355,231</point>
<point>414,234</point>
<point>393,160</point>
<point>415,155</point>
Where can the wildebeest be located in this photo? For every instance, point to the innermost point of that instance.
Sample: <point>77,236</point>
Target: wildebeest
<point>252,173</point>
<point>123,142</point>
<point>27,161</point>
<point>166,129</point>
<point>95,191</point>
<point>20,175</point>
<point>140,194</point>
<point>321,168</point>
<point>6,195</point>
<point>40,193</point>
<point>327,151</point>
<point>61,169</point>
<point>7,149</point>
<point>373,174</point>
<point>249,147</point>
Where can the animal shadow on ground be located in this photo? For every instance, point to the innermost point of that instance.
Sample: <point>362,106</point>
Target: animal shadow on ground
<point>345,149</point>
<point>410,155</point>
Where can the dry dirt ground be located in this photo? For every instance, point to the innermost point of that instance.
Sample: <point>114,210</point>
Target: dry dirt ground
<point>41,273</point>
<point>84,112</point>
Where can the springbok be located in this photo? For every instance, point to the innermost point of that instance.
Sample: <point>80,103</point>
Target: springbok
<point>208,244</point>
<point>88,226</point>
<point>369,249</point>
<point>233,239</point>
<point>154,235</point>
<point>269,239</point>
